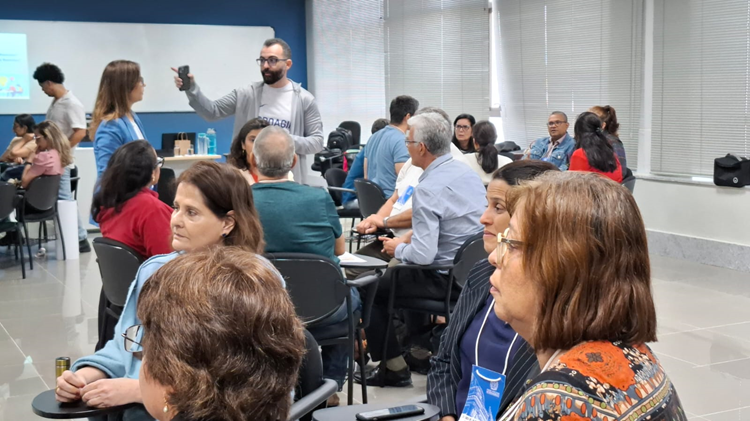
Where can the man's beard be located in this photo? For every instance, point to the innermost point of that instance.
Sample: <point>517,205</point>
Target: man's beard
<point>270,76</point>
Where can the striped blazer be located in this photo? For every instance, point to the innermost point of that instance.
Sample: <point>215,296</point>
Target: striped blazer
<point>445,370</point>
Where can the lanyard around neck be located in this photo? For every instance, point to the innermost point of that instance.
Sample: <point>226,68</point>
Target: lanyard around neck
<point>479,335</point>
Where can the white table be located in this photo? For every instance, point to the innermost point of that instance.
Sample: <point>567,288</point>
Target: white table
<point>183,162</point>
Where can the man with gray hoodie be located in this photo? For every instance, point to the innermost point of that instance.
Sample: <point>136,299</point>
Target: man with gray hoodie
<point>277,100</point>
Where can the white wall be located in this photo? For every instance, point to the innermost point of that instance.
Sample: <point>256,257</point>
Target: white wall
<point>694,210</point>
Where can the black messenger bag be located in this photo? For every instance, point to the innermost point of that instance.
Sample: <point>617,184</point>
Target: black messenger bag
<point>732,171</point>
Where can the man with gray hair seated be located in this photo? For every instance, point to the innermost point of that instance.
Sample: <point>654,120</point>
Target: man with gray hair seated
<point>447,205</point>
<point>298,219</point>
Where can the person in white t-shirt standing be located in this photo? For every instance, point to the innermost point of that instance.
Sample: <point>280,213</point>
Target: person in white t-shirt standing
<point>67,112</point>
<point>277,99</point>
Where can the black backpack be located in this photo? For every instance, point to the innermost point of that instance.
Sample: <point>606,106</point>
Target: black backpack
<point>732,171</point>
<point>340,139</point>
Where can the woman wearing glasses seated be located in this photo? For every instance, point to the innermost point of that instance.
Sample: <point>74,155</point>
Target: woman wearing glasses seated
<point>213,207</point>
<point>126,208</point>
<point>196,366</point>
<point>449,378</point>
<point>462,135</point>
<point>579,293</point>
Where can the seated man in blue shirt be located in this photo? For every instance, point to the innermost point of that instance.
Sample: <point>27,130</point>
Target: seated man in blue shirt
<point>299,219</point>
<point>349,200</point>
<point>386,152</point>
<point>558,147</point>
<point>446,207</point>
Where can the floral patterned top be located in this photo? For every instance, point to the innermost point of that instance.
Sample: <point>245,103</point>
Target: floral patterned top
<point>602,381</point>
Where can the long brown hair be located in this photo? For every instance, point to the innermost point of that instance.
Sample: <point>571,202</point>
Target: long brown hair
<point>609,117</point>
<point>57,141</point>
<point>224,189</point>
<point>585,251</point>
<point>220,331</point>
<point>119,78</point>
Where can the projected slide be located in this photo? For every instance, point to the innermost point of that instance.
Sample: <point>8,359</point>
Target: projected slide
<point>14,68</point>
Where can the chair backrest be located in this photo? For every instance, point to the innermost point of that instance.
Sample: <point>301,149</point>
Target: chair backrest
<point>335,177</point>
<point>355,128</point>
<point>7,199</point>
<point>118,265</point>
<point>470,252</point>
<point>315,284</point>
<point>311,372</point>
<point>629,183</point>
<point>74,178</point>
<point>42,192</point>
<point>370,195</point>
<point>167,186</point>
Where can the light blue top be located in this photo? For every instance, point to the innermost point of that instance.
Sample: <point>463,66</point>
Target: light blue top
<point>112,134</point>
<point>385,149</point>
<point>113,359</point>
<point>560,155</point>
<point>447,204</point>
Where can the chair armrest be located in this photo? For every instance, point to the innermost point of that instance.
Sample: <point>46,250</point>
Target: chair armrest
<point>312,400</point>
<point>419,399</point>
<point>341,189</point>
<point>75,178</point>
<point>363,281</point>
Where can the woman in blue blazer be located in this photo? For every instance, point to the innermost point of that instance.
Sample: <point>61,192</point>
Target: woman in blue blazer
<point>114,123</point>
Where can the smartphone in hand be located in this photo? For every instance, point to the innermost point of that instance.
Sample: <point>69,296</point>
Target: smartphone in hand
<point>182,73</point>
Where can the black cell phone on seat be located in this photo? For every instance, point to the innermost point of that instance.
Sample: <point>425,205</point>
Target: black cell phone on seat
<point>182,73</point>
<point>391,413</point>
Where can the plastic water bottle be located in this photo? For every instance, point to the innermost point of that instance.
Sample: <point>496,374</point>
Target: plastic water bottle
<point>211,133</point>
<point>202,144</point>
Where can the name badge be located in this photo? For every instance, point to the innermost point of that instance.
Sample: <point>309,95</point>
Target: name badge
<point>485,394</point>
<point>404,198</point>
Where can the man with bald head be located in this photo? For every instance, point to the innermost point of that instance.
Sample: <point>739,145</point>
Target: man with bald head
<point>298,219</point>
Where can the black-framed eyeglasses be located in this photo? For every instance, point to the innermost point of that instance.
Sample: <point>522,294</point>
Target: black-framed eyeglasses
<point>462,127</point>
<point>556,123</point>
<point>132,338</point>
<point>159,162</point>
<point>272,61</point>
<point>141,80</point>
<point>503,244</point>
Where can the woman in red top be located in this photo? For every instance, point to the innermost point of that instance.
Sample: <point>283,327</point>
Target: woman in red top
<point>593,151</point>
<point>125,207</point>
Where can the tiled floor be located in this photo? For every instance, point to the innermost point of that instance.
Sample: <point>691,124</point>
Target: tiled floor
<point>704,333</point>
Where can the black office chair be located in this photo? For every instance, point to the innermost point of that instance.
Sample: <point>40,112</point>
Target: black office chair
<point>628,180</point>
<point>74,181</point>
<point>470,252</point>
<point>167,186</point>
<point>118,265</point>
<point>371,198</point>
<point>356,130</point>
<point>8,201</point>
<point>318,296</point>
<point>335,177</point>
<point>39,204</point>
<point>312,391</point>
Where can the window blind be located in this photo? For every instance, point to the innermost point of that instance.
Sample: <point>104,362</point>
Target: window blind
<point>346,61</point>
<point>701,83</point>
<point>570,55</point>
<point>438,52</point>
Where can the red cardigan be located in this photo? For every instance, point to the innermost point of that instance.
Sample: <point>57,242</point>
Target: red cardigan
<point>579,162</point>
<point>142,224</point>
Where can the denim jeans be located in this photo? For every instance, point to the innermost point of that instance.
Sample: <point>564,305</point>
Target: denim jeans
<point>336,357</point>
<point>65,194</point>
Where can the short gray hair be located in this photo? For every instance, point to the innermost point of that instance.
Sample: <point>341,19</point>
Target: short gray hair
<point>565,116</point>
<point>434,110</point>
<point>434,131</point>
<point>274,152</point>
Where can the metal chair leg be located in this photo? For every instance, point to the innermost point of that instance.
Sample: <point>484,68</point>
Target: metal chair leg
<point>362,365</point>
<point>28,245</point>
<point>18,244</point>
